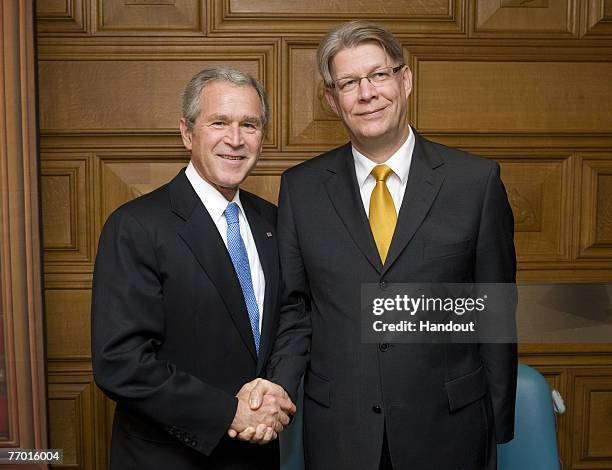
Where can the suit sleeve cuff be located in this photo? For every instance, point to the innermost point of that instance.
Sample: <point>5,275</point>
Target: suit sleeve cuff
<point>209,440</point>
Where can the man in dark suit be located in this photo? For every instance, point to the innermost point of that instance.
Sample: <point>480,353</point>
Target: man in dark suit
<point>186,294</point>
<point>389,207</point>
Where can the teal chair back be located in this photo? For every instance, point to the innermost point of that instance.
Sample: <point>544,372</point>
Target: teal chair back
<point>534,446</point>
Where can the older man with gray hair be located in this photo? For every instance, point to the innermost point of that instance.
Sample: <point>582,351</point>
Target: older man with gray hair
<point>185,298</point>
<point>388,207</point>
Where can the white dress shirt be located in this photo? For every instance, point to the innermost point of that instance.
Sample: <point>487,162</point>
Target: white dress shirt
<point>399,162</point>
<point>215,203</point>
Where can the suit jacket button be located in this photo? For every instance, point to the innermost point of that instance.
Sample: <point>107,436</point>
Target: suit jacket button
<point>384,347</point>
<point>186,439</point>
<point>377,409</point>
<point>383,285</point>
<point>194,443</point>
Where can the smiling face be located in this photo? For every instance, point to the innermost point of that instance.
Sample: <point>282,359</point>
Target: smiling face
<point>375,117</point>
<point>227,137</point>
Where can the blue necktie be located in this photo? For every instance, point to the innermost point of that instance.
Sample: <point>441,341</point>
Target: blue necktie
<point>240,260</point>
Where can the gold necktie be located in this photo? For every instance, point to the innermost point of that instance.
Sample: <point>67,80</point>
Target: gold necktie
<point>382,211</point>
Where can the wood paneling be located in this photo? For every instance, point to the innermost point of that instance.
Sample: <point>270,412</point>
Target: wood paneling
<point>68,323</point>
<point>555,379</point>
<point>597,19</point>
<point>534,18</point>
<point>539,193</point>
<point>136,89</point>
<point>513,97</point>
<point>600,423</point>
<point>66,208</point>
<point>57,17</point>
<point>311,124</point>
<point>596,207</point>
<point>71,414</point>
<point>603,225</point>
<point>150,17</point>
<point>576,375</point>
<point>123,180</point>
<point>58,209</point>
<point>265,186</point>
<point>291,16</point>
<point>113,96</point>
<point>592,419</point>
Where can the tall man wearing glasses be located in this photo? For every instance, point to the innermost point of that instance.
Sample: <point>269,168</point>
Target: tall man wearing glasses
<point>388,207</point>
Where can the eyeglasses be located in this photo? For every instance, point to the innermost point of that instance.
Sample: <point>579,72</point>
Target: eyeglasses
<point>377,78</point>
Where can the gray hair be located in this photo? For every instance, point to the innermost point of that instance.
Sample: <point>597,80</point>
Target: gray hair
<point>352,34</point>
<point>192,93</point>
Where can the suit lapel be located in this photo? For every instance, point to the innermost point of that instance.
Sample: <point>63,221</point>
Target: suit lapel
<point>203,239</point>
<point>424,181</point>
<point>344,194</point>
<point>264,235</point>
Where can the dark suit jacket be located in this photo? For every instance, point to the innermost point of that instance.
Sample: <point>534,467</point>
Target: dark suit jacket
<point>444,405</point>
<point>171,339</point>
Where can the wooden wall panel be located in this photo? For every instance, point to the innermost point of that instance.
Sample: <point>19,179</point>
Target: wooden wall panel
<point>71,417</point>
<point>310,124</point>
<point>150,17</point>
<point>534,18</point>
<point>131,90</point>
<point>114,96</point>
<point>402,9</point>
<point>584,383</point>
<point>596,207</point>
<point>555,378</point>
<point>54,17</point>
<point>66,209</point>
<point>59,209</point>
<point>597,19</point>
<point>89,107</point>
<point>265,186</point>
<point>68,323</point>
<point>540,195</point>
<point>124,180</point>
<point>513,97</point>
<point>291,16</point>
<point>600,428</point>
<point>592,420</point>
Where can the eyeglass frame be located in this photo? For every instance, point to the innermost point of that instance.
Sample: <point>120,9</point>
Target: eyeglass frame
<point>394,70</point>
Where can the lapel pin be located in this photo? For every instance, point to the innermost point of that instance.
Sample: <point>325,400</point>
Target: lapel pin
<point>269,234</point>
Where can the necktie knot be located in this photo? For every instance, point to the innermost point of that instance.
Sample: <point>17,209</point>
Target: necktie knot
<point>381,172</point>
<point>231,213</point>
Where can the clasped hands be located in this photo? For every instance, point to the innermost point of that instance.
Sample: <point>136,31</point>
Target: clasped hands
<point>264,409</point>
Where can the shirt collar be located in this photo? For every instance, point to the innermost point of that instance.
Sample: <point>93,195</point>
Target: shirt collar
<point>399,162</point>
<point>212,199</point>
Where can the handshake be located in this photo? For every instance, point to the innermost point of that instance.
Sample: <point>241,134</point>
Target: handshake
<point>264,409</point>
